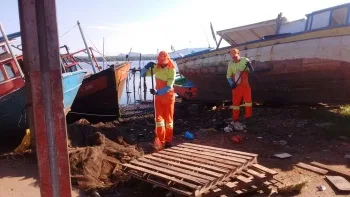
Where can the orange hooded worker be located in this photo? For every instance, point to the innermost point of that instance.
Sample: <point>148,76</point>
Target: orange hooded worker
<point>237,76</point>
<point>164,72</point>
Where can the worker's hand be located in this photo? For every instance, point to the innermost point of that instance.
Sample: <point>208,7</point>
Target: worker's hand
<point>150,65</point>
<point>250,67</point>
<point>233,85</point>
<point>153,91</point>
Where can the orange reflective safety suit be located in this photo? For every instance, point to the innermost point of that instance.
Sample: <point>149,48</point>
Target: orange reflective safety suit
<point>242,91</point>
<point>164,103</point>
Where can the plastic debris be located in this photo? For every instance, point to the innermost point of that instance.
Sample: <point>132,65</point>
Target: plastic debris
<point>283,142</point>
<point>237,139</point>
<point>283,155</point>
<point>189,135</point>
<point>321,188</point>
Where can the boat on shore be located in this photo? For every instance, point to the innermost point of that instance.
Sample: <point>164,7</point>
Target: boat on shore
<point>99,95</point>
<point>13,98</point>
<point>302,61</point>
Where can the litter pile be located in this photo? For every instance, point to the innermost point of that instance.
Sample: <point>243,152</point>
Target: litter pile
<point>96,161</point>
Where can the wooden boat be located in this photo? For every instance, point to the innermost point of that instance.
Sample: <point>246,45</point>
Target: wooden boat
<point>13,103</point>
<point>99,95</point>
<point>302,61</point>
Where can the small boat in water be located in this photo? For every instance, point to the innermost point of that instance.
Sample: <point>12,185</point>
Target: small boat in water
<point>302,61</point>
<point>13,99</point>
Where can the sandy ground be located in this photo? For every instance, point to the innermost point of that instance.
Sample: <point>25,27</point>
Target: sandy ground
<point>311,133</point>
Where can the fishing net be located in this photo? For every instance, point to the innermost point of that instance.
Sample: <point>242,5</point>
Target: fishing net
<point>98,165</point>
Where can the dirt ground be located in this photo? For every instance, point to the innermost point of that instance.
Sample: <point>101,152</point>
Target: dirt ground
<point>309,133</point>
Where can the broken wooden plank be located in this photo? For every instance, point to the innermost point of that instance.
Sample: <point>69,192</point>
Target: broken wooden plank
<point>217,152</point>
<point>184,183</point>
<point>177,169</point>
<point>312,168</point>
<point>190,167</point>
<point>346,174</point>
<point>228,165</point>
<point>210,154</point>
<point>339,182</point>
<point>192,163</point>
<point>255,173</point>
<point>265,169</point>
<point>196,180</point>
<point>243,179</point>
<point>222,149</point>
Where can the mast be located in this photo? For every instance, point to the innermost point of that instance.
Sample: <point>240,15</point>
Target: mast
<point>11,52</point>
<point>103,52</point>
<point>87,48</point>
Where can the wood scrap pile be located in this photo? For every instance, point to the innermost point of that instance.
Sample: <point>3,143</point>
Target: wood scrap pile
<point>196,170</point>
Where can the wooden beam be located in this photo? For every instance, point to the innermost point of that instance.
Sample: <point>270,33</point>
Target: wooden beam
<point>346,174</point>
<point>312,168</point>
<point>46,117</point>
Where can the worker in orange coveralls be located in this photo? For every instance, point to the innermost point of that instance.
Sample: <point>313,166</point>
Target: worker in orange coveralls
<point>237,76</point>
<point>164,72</point>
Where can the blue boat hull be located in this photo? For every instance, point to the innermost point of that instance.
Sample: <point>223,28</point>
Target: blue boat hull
<point>13,113</point>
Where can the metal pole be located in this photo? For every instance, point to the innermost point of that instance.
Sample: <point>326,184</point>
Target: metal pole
<point>87,47</point>
<point>9,47</point>
<point>46,116</point>
<point>103,52</point>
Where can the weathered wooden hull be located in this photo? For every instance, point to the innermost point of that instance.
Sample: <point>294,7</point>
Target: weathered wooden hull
<point>99,95</point>
<point>308,70</point>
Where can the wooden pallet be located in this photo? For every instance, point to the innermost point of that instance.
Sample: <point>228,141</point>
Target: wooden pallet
<point>191,169</point>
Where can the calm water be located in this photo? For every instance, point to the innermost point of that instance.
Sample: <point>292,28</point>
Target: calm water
<point>124,98</point>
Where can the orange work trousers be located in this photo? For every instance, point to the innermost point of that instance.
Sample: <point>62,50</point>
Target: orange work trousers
<point>242,92</point>
<point>164,121</point>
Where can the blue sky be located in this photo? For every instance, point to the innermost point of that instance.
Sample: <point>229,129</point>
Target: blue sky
<point>153,24</point>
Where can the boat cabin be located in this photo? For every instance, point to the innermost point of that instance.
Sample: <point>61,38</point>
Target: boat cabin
<point>333,17</point>
<point>10,76</point>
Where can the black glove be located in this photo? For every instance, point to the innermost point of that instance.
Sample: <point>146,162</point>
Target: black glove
<point>150,65</point>
<point>234,85</point>
<point>153,91</point>
<point>249,65</point>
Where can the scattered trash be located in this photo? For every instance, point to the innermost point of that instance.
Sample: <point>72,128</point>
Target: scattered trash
<point>321,188</point>
<point>283,155</point>
<point>25,144</point>
<point>283,142</point>
<point>237,139</point>
<point>228,129</point>
<point>189,135</point>
<point>95,194</point>
<point>326,124</point>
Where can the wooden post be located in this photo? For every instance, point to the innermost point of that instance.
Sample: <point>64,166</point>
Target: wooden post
<point>46,117</point>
